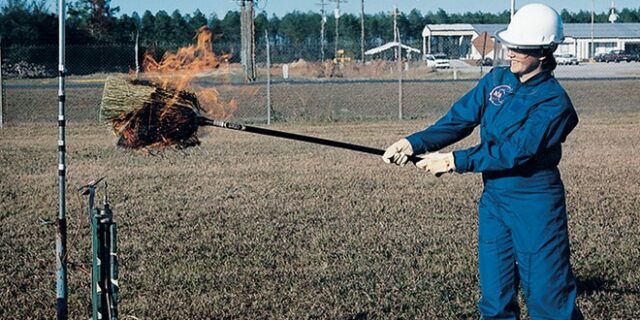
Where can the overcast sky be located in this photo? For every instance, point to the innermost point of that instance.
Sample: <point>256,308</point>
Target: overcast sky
<point>281,7</point>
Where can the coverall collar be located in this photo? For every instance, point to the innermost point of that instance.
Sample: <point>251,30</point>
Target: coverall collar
<point>535,80</point>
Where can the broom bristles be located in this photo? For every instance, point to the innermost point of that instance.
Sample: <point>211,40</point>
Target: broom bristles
<point>143,114</point>
<point>121,96</point>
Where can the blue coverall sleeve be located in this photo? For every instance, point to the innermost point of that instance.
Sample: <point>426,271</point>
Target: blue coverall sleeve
<point>458,123</point>
<point>545,127</point>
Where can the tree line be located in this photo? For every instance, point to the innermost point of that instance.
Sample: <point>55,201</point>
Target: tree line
<point>24,22</point>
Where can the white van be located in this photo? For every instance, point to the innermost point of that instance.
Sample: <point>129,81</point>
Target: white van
<point>566,58</point>
<point>438,60</point>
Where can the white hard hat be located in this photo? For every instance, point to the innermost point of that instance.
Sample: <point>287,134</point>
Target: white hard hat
<point>534,26</point>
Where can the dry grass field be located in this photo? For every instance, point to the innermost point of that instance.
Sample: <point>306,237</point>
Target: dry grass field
<point>253,227</point>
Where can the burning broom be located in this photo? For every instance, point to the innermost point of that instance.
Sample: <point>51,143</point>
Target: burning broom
<point>146,114</point>
<point>143,114</point>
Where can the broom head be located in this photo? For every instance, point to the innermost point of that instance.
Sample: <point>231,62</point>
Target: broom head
<point>143,114</point>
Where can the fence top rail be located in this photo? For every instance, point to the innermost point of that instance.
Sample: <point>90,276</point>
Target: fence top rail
<point>9,85</point>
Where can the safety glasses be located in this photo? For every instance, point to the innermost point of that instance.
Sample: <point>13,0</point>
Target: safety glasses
<point>528,52</point>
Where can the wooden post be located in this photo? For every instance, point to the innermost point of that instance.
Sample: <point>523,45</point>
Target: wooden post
<point>362,34</point>
<point>484,49</point>
<point>247,39</point>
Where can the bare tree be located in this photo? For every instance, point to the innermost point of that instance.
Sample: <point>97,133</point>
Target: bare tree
<point>323,21</point>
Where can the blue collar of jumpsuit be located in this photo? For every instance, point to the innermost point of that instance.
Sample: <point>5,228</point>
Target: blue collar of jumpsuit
<point>534,81</point>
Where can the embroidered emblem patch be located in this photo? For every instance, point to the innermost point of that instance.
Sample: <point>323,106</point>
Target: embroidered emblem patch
<point>498,94</point>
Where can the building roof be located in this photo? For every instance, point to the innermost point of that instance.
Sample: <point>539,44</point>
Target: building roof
<point>450,27</point>
<point>602,30</point>
<point>573,30</point>
<point>489,28</point>
<point>388,46</point>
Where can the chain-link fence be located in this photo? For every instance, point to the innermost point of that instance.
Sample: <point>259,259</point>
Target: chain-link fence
<point>302,87</point>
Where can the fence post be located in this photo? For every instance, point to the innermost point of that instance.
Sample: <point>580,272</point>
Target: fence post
<point>136,52</point>
<point>400,92</point>
<point>266,35</point>
<point>399,76</point>
<point>1,89</point>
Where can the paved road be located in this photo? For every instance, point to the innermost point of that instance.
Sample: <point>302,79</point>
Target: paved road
<point>585,70</point>
<point>599,70</point>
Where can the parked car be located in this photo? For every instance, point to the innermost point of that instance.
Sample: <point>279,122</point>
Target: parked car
<point>566,58</point>
<point>599,57</point>
<point>484,62</point>
<point>438,60</point>
<point>620,55</point>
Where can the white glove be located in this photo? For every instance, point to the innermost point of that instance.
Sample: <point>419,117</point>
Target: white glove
<point>437,163</point>
<point>398,152</point>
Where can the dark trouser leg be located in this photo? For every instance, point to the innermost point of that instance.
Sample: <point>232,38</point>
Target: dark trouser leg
<point>541,243</point>
<point>496,259</point>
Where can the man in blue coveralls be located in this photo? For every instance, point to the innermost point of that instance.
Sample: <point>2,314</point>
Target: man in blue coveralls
<point>524,115</point>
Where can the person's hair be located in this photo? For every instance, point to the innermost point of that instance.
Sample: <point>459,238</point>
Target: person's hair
<point>549,62</point>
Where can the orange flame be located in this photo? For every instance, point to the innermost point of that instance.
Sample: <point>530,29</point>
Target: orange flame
<point>178,70</point>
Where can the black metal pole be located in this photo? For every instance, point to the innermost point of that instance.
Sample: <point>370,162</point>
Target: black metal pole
<point>297,137</point>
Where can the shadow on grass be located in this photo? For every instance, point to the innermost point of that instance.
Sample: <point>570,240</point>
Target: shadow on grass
<point>594,284</point>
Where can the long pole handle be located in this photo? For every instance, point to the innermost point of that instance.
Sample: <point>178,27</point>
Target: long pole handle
<point>297,137</point>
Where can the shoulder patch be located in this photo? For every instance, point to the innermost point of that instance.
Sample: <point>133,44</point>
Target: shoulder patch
<point>497,94</point>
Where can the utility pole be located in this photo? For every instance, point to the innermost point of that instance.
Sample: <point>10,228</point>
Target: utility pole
<point>513,8</point>
<point>247,39</point>
<point>337,15</point>
<point>362,33</point>
<point>593,44</point>
<point>323,21</point>
<point>613,16</point>
<point>395,31</point>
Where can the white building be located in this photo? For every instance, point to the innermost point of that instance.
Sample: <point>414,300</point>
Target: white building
<point>456,40</point>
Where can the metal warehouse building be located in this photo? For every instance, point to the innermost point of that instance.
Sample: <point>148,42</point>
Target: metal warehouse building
<point>457,40</point>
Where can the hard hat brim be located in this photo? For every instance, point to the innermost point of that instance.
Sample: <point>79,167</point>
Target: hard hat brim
<point>503,37</point>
